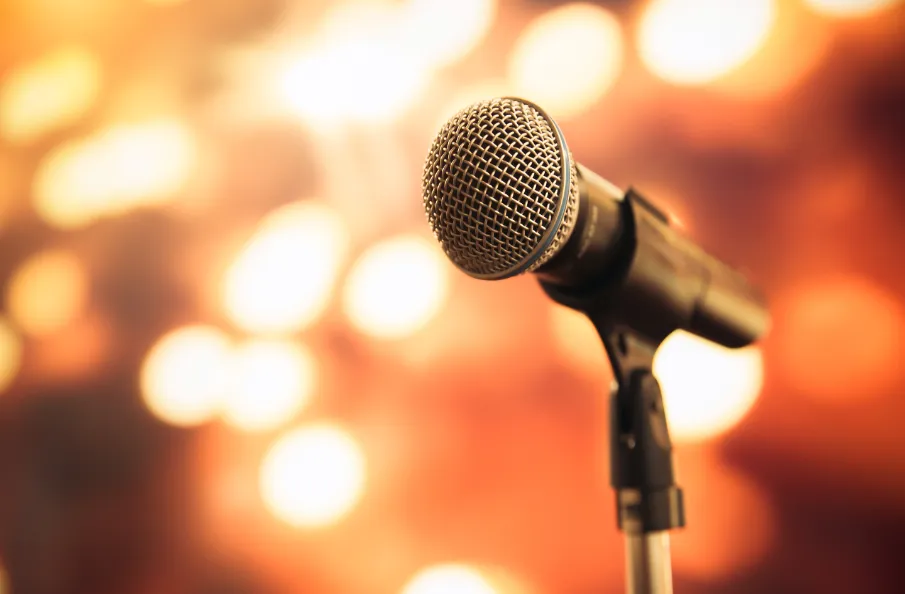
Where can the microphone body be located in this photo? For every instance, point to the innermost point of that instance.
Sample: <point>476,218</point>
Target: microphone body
<point>503,196</point>
<point>651,277</point>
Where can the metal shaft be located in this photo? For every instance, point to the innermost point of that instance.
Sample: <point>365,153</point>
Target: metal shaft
<point>648,565</point>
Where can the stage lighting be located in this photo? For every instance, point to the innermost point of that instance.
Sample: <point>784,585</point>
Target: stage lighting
<point>707,388</point>
<point>113,171</point>
<point>396,287</point>
<point>283,279</point>
<point>187,374</point>
<point>842,338</point>
<point>47,291</point>
<point>272,382</point>
<point>568,58</point>
<point>693,42</point>
<point>443,32</point>
<point>313,476</point>
<point>449,579</point>
<point>52,92</point>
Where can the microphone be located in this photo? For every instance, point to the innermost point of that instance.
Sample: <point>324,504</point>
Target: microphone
<point>504,196</point>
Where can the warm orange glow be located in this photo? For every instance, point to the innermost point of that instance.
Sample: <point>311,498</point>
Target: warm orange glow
<point>796,46</point>
<point>841,338</point>
<point>313,476</point>
<point>849,8</point>
<point>567,59</point>
<point>4,587</point>
<point>50,93</point>
<point>730,523</point>
<point>10,354</point>
<point>443,32</point>
<point>115,170</point>
<point>272,382</point>
<point>75,352</point>
<point>48,291</point>
<point>396,287</point>
<point>187,374</point>
<point>577,341</point>
<point>696,41</point>
<point>707,389</point>
<point>283,279</point>
<point>449,579</point>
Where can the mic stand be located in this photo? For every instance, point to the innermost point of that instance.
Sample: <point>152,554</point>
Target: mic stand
<point>648,502</point>
<point>645,298</point>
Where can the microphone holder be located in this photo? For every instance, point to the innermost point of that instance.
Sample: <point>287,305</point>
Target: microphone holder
<point>648,501</point>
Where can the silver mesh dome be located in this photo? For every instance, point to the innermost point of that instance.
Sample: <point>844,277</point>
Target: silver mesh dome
<point>500,188</point>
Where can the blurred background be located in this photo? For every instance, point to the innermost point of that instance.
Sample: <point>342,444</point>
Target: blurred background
<point>233,360</point>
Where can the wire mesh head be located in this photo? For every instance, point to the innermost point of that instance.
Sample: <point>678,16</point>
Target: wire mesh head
<point>500,188</point>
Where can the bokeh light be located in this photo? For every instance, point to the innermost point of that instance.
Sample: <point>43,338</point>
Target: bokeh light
<point>284,277</point>
<point>449,579</point>
<point>443,32</point>
<point>796,47</point>
<point>48,291</point>
<point>396,287</point>
<point>52,92</point>
<point>568,58</point>
<point>313,476</point>
<point>186,375</point>
<point>849,8</point>
<point>842,338</point>
<point>10,354</point>
<point>707,388</point>
<point>355,70</point>
<point>696,41</point>
<point>731,526</point>
<point>115,170</point>
<point>272,382</point>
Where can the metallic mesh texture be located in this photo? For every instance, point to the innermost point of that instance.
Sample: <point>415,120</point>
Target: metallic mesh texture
<point>493,184</point>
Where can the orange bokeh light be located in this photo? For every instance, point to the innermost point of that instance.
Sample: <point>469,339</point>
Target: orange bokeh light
<point>48,291</point>
<point>840,338</point>
<point>730,524</point>
<point>10,354</point>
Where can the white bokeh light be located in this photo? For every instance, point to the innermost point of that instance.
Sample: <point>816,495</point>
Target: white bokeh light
<point>283,278</point>
<point>313,476</point>
<point>568,58</point>
<point>707,388</point>
<point>272,382</point>
<point>396,287</point>
<point>693,42</point>
<point>187,374</point>
<point>449,579</point>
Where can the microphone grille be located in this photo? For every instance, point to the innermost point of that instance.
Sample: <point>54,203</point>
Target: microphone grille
<point>500,188</point>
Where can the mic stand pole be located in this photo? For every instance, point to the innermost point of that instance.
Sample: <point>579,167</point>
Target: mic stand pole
<point>649,503</point>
